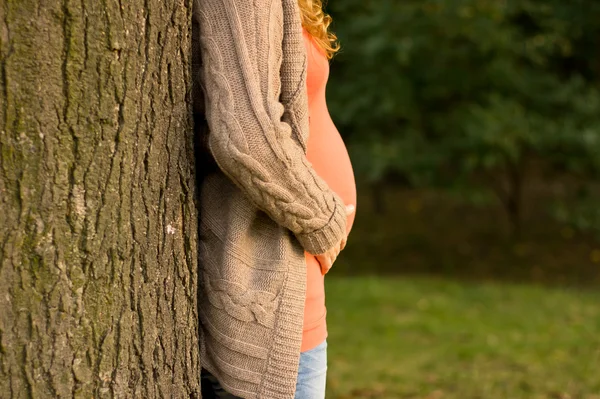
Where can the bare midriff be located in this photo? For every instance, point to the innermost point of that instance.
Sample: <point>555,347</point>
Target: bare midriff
<point>328,155</point>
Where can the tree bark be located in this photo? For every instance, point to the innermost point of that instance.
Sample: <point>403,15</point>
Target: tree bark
<point>98,223</point>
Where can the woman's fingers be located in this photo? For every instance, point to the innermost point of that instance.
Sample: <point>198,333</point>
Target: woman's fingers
<point>325,262</point>
<point>327,259</point>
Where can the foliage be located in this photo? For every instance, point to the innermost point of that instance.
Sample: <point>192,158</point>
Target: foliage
<point>430,232</point>
<point>584,216</point>
<point>442,91</point>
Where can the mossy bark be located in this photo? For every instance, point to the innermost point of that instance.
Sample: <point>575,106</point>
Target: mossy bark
<point>98,224</point>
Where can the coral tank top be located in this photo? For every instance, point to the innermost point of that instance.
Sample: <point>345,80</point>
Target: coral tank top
<point>328,155</point>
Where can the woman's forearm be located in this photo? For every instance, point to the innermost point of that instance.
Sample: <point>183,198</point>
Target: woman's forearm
<point>241,43</point>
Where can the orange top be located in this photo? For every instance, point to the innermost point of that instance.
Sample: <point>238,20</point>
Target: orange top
<point>328,155</point>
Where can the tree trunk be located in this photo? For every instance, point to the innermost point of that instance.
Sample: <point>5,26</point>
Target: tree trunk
<point>98,223</point>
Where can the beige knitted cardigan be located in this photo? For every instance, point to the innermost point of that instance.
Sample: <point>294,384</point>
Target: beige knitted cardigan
<point>264,205</point>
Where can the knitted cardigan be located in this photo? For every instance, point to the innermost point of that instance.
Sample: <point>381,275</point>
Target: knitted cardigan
<point>264,204</point>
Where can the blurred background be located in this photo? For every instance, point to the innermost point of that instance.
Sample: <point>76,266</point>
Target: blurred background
<point>473,267</point>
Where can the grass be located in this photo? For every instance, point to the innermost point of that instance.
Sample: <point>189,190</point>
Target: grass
<point>431,338</point>
<point>432,299</point>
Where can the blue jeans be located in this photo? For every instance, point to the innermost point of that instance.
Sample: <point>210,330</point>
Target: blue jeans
<point>312,375</point>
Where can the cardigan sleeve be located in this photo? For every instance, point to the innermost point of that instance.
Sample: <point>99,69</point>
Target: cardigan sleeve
<point>241,74</point>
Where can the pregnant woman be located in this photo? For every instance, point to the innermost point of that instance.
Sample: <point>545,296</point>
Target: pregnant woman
<point>278,202</point>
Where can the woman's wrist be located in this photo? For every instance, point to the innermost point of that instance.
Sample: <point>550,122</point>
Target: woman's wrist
<point>320,241</point>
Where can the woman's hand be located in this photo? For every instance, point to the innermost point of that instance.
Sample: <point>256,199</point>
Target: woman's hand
<point>326,259</point>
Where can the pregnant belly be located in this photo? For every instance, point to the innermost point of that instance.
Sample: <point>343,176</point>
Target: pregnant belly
<point>327,153</point>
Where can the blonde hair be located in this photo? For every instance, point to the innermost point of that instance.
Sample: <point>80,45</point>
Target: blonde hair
<point>316,22</point>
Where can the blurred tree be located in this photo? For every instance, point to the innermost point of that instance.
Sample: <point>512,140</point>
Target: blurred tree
<point>98,223</point>
<point>464,94</point>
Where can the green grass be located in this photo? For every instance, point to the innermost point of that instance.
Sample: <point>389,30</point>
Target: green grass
<point>407,337</point>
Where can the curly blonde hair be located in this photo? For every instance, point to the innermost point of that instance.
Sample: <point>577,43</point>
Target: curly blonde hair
<point>316,22</point>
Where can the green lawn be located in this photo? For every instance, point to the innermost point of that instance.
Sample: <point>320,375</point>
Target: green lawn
<point>407,337</point>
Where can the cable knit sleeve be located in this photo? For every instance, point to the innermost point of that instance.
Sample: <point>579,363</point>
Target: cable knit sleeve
<point>243,69</point>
